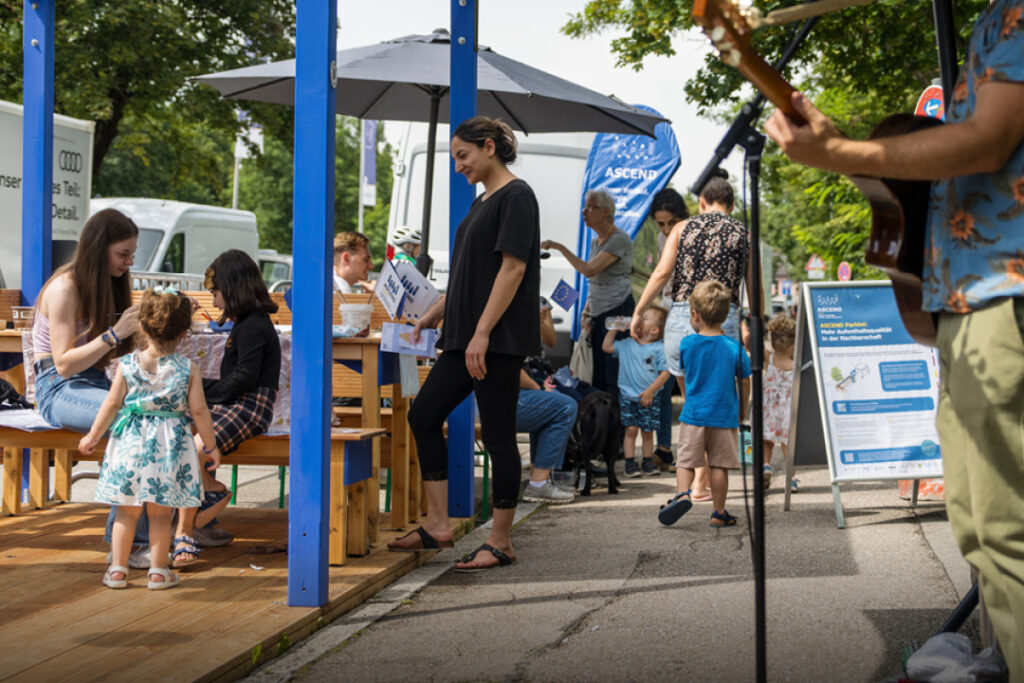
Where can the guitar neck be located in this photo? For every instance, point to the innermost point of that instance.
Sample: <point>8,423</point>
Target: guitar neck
<point>766,79</point>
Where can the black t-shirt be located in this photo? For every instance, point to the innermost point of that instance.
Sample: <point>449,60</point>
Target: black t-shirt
<point>507,223</point>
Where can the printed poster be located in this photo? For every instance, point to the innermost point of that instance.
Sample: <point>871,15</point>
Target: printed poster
<point>878,387</point>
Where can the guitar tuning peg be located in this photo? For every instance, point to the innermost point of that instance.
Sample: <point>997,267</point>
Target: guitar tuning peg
<point>754,17</point>
<point>717,33</point>
<point>726,46</point>
<point>733,58</point>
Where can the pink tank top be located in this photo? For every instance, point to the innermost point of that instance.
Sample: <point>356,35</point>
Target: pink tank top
<point>41,333</point>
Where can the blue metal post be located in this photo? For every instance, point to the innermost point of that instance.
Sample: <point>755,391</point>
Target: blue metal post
<point>37,148</point>
<point>313,220</point>
<point>462,103</point>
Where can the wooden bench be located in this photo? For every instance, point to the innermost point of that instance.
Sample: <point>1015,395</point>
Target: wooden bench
<point>351,465</point>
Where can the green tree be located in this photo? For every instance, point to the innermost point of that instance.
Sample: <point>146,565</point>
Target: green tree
<point>125,63</point>
<point>858,65</point>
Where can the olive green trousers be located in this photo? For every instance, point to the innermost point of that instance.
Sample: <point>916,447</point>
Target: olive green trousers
<point>981,431</point>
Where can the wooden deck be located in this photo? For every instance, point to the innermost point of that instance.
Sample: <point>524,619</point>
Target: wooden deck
<point>58,622</point>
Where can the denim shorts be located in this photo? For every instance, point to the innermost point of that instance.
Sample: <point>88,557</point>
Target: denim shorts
<point>71,403</point>
<point>678,326</point>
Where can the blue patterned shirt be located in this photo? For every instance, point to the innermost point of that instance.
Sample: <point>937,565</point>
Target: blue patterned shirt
<point>975,233</point>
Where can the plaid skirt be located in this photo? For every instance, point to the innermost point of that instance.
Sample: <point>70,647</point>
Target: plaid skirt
<point>247,417</point>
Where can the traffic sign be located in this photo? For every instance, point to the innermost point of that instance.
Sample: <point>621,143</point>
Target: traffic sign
<point>815,268</point>
<point>844,272</point>
<point>931,103</point>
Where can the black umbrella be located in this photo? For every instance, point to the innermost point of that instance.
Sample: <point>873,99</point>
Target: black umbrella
<point>390,81</point>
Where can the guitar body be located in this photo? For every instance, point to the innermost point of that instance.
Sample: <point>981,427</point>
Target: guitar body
<point>899,213</point>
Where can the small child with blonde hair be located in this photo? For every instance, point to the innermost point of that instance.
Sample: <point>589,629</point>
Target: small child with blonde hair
<point>778,390</point>
<point>151,459</point>
<point>710,361</point>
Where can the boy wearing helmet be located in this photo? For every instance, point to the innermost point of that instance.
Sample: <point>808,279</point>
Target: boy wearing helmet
<point>406,242</point>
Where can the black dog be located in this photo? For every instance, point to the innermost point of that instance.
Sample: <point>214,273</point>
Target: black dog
<point>597,434</point>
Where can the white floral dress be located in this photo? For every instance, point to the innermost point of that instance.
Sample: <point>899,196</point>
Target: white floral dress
<point>150,456</point>
<point>778,396</point>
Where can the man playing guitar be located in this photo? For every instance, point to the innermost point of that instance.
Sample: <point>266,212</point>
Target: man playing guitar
<point>974,281</point>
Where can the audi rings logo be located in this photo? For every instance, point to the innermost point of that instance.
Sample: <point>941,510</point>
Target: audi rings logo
<point>69,161</point>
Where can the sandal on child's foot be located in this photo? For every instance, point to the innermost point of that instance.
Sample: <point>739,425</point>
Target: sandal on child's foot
<point>724,519</point>
<point>675,508</point>
<point>766,476</point>
<point>110,582</point>
<point>184,545</point>
<point>170,579</point>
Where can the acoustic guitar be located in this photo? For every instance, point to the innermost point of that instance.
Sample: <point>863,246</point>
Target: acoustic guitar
<point>899,208</point>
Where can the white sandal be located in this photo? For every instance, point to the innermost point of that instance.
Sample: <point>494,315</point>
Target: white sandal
<point>170,579</point>
<point>111,582</point>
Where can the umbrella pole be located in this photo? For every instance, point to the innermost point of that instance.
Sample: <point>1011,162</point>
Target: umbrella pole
<point>424,262</point>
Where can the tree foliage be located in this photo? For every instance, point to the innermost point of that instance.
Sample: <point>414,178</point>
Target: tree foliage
<point>858,65</point>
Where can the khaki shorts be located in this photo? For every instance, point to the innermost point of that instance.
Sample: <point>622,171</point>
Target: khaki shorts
<point>720,444</point>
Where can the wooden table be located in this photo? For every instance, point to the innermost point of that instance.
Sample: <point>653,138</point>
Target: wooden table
<point>378,368</point>
<point>10,342</point>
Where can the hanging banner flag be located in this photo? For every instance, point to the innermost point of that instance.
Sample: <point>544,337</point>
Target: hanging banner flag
<point>369,151</point>
<point>631,168</point>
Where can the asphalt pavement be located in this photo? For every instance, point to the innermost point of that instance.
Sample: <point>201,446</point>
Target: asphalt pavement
<point>602,592</point>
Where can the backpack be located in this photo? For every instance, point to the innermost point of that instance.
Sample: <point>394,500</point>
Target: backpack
<point>10,399</point>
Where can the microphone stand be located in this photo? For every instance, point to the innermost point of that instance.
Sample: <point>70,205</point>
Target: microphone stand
<point>743,133</point>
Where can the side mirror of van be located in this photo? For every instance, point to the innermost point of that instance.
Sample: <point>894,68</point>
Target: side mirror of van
<point>167,267</point>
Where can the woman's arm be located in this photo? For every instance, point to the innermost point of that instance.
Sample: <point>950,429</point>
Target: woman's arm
<point>656,283</point>
<point>201,414</point>
<point>526,382</point>
<point>62,310</point>
<point>108,410</point>
<point>504,290</point>
<point>590,268</point>
<point>548,337</point>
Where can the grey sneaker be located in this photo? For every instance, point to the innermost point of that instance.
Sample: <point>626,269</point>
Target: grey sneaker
<point>649,468</point>
<point>138,559</point>
<point>212,537</point>
<point>548,493</point>
<point>632,470</point>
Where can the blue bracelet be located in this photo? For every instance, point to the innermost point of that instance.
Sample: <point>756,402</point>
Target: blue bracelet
<point>114,335</point>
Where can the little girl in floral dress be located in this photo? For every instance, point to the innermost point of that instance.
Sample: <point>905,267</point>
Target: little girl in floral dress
<point>778,390</point>
<point>151,458</point>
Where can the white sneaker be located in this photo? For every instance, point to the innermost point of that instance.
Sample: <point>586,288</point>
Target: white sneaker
<point>548,493</point>
<point>138,559</point>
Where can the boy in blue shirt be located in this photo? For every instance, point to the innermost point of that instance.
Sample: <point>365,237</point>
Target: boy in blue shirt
<point>710,418</point>
<point>642,373</point>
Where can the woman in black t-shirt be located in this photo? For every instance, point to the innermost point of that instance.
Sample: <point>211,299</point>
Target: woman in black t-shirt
<point>490,325</point>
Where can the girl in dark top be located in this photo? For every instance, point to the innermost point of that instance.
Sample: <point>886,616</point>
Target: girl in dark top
<point>242,400</point>
<point>490,325</point>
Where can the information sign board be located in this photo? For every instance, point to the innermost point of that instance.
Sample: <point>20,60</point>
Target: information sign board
<point>876,388</point>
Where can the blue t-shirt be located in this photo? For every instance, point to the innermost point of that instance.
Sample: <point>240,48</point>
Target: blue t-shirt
<point>709,364</point>
<point>639,365</point>
<point>975,234</point>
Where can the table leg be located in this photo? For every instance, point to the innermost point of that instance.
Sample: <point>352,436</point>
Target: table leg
<point>12,481</point>
<point>371,419</point>
<point>358,528</point>
<point>399,459</point>
<point>62,464</point>
<point>39,477</point>
<point>338,541</point>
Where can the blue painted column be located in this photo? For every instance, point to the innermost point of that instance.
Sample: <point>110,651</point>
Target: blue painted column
<point>313,220</point>
<point>37,148</point>
<point>462,103</point>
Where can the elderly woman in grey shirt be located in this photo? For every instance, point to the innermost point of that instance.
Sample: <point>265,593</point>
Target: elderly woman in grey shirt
<point>608,274</point>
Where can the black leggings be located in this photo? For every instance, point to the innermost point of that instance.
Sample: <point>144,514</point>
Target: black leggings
<point>447,385</point>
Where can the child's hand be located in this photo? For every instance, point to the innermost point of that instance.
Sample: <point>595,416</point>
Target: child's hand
<point>87,444</point>
<point>213,457</point>
<point>646,398</point>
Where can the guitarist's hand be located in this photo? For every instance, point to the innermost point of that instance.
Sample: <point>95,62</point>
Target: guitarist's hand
<point>811,144</point>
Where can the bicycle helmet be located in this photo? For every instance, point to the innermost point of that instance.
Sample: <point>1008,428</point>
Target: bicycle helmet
<point>403,234</point>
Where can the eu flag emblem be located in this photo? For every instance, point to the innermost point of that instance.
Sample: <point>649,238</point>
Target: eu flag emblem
<point>564,295</point>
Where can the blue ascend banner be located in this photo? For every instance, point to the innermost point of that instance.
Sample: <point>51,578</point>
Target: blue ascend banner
<point>632,168</point>
<point>878,388</point>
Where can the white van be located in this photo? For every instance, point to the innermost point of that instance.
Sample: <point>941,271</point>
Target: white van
<point>552,163</point>
<point>178,237</point>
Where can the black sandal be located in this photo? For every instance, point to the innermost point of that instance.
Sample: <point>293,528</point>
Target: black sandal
<point>503,559</point>
<point>676,507</point>
<point>427,542</point>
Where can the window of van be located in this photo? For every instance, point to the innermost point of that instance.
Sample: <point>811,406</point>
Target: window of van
<point>149,240</point>
<point>274,271</point>
<point>174,259</point>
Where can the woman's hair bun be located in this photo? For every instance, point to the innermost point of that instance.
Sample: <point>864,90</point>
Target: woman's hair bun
<point>479,129</point>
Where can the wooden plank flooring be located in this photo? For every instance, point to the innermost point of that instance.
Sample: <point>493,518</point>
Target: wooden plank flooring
<point>58,622</point>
